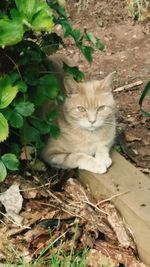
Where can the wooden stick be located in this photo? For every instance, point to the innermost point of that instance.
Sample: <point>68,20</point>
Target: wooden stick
<point>110,198</point>
<point>127,87</point>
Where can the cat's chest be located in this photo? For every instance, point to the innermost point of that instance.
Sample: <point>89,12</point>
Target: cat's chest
<point>87,143</point>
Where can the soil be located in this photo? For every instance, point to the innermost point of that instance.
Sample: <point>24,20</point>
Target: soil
<point>127,51</point>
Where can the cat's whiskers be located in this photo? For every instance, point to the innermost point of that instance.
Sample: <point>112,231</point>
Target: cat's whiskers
<point>109,123</point>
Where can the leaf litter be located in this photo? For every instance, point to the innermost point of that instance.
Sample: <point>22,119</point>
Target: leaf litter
<point>69,218</point>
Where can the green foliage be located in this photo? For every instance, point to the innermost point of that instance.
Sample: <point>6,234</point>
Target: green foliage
<point>8,161</point>
<point>3,171</point>
<point>4,128</point>
<point>27,79</point>
<point>143,95</point>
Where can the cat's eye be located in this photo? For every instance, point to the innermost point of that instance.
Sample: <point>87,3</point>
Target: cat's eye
<point>81,109</point>
<point>100,108</point>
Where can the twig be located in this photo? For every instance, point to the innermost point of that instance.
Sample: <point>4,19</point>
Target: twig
<point>60,208</point>
<point>127,87</point>
<point>12,221</point>
<point>1,221</point>
<point>110,198</point>
<point>94,206</point>
<point>51,194</point>
<point>34,188</point>
<point>85,195</point>
<point>14,63</point>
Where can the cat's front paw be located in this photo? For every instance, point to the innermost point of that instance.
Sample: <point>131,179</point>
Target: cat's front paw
<point>105,161</point>
<point>108,162</point>
<point>93,166</point>
<point>101,169</point>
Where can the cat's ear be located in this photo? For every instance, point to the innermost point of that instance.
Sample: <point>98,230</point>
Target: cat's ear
<point>107,82</point>
<point>71,86</point>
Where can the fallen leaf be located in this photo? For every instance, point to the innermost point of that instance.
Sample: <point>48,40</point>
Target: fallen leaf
<point>27,153</point>
<point>121,256</point>
<point>137,264</point>
<point>12,201</point>
<point>144,151</point>
<point>38,165</point>
<point>146,140</point>
<point>116,222</point>
<point>131,136</point>
<point>96,258</point>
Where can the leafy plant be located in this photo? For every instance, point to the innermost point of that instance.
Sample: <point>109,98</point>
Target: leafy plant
<point>27,80</point>
<point>143,95</point>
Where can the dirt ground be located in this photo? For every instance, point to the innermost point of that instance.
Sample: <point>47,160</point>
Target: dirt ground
<point>128,52</point>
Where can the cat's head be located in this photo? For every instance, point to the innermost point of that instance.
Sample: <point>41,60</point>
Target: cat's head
<point>89,105</point>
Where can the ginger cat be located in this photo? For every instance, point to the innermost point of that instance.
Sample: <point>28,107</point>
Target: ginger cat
<point>87,124</point>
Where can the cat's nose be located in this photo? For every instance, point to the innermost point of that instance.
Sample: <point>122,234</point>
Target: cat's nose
<point>92,121</point>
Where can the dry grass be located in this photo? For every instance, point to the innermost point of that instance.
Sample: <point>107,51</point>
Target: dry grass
<point>139,9</point>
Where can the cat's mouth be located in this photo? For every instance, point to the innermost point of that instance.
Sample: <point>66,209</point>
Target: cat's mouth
<point>91,128</point>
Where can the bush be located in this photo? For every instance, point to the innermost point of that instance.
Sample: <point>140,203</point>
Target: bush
<point>27,34</point>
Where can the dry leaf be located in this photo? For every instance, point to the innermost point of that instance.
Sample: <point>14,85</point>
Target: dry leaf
<point>116,222</point>
<point>131,136</point>
<point>12,201</point>
<point>27,153</point>
<point>38,165</point>
<point>96,258</point>
<point>137,264</point>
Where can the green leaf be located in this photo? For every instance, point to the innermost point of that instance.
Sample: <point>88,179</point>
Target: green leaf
<point>94,40</point>
<point>11,32</point>
<point>31,75</point>
<point>4,129</point>
<point>10,161</point>
<point>100,44</point>
<point>37,96</point>
<point>7,112</point>
<point>7,92</point>
<point>54,131</point>
<point>30,134</point>
<point>17,16</point>
<point>26,7</point>
<point>40,125</point>
<point>50,43</point>
<point>3,171</point>
<point>22,86</point>
<point>16,120</point>
<point>43,21</point>
<point>37,14</point>
<point>67,29</point>
<point>34,55</point>
<point>76,34</point>
<point>25,108</point>
<point>14,77</point>
<point>52,115</point>
<point>59,9</point>
<point>15,149</point>
<point>143,95</point>
<point>87,52</point>
<point>74,71</point>
<point>50,85</point>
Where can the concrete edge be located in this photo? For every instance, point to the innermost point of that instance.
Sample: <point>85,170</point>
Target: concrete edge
<point>134,205</point>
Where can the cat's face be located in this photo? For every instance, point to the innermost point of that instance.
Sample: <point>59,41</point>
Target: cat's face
<point>90,104</point>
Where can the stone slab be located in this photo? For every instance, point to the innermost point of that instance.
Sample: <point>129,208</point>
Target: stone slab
<point>134,205</point>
